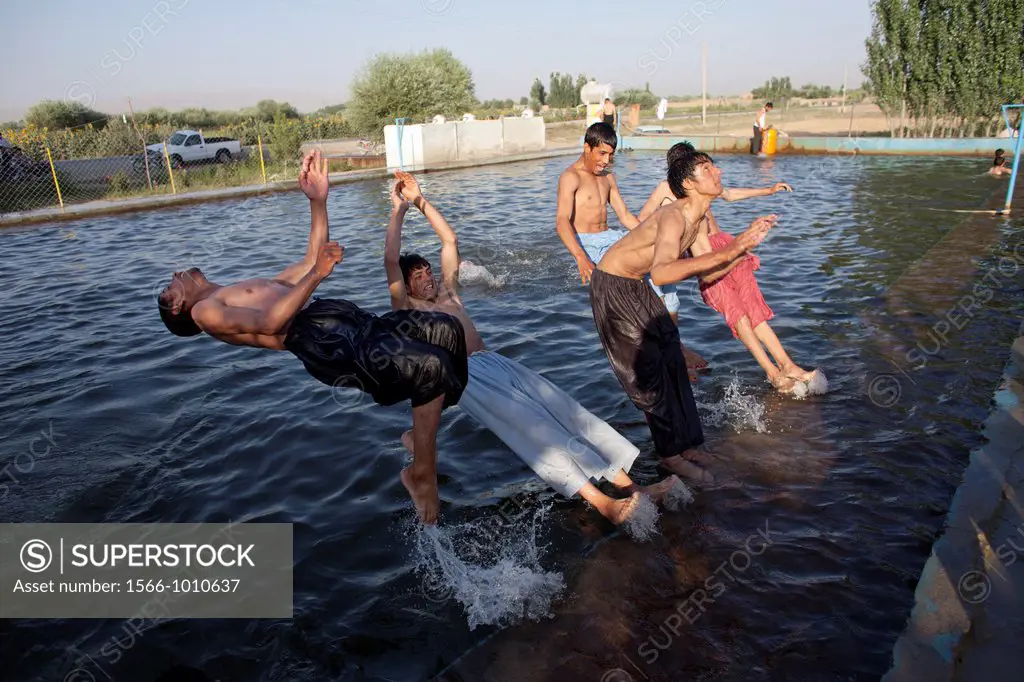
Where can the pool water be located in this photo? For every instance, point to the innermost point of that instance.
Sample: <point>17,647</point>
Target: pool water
<point>812,543</point>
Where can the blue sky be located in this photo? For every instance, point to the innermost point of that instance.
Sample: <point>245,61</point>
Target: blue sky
<point>232,53</point>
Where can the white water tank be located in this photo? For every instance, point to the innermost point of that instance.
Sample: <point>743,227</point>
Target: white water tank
<point>595,93</point>
<point>468,117</point>
<point>440,119</point>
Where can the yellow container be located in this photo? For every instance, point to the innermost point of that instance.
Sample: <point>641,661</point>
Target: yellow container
<point>770,140</point>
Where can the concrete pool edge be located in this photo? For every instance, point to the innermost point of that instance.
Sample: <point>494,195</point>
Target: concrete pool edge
<point>806,144</point>
<point>960,625</point>
<point>105,207</point>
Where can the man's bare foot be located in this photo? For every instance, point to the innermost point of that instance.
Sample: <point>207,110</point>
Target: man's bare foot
<point>795,372</point>
<point>698,456</point>
<point>424,495</point>
<point>619,511</point>
<point>693,360</point>
<point>407,442</point>
<point>687,469</point>
<point>658,490</point>
<point>783,384</point>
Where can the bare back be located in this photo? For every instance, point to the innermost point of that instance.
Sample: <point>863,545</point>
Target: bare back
<point>258,294</point>
<point>633,255</point>
<point>590,204</point>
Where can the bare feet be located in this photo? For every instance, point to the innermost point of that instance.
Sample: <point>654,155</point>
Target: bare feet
<point>424,495</point>
<point>658,491</point>
<point>783,384</point>
<point>795,372</point>
<point>408,442</point>
<point>698,456</point>
<point>687,469</point>
<point>619,511</point>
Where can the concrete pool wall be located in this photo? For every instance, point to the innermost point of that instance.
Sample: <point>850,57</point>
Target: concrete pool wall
<point>423,146</point>
<point>967,622</point>
<point>977,146</point>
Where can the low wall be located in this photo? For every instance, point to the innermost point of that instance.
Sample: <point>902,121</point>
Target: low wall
<point>425,146</point>
<point>975,146</point>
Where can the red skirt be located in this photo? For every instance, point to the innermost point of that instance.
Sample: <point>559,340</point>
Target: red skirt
<point>736,295</point>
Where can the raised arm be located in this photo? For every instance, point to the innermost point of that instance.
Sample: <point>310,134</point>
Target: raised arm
<point>739,194</point>
<point>657,198</point>
<point>450,260</point>
<point>218,319</point>
<point>314,183</point>
<point>568,184</point>
<point>628,220</point>
<point>393,250</point>
<point>674,230</point>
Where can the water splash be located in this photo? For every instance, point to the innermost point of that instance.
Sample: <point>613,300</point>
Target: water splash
<point>816,385</point>
<point>471,273</point>
<point>642,524</point>
<point>740,411</point>
<point>678,496</point>
<point>491,568</point>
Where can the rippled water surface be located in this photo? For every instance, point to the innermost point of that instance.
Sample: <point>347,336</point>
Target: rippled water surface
<point>812,543</point>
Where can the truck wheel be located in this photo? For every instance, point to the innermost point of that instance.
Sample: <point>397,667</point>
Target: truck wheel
<point>223,156</point>
<point>176,162</point>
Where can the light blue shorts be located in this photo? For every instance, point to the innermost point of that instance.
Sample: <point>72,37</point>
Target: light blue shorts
<point>596,244</point>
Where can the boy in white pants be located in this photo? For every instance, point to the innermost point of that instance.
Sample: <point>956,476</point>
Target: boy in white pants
<point>564,444</point>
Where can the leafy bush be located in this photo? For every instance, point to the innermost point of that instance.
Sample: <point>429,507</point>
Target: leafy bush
<point>285,139</point>
<point>414,86</point>
<point>55,114</point>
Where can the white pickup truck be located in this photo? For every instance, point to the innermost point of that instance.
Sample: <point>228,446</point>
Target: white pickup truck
<point>189,146</point>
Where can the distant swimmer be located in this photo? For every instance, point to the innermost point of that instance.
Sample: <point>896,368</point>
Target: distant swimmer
<point>585,190</point>
<point>999,165</point>
<point>641,340</point>
<point>395,357</point>
<point>562,442</point>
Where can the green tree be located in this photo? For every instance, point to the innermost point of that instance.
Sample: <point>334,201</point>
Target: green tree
<point>523,101</point>
<point>416,86</point>
<point>285,139</point>
<point>329,110</point>
<point>268,109</point>
<point>944,67</point>
<point>57,115</point>
<point>581,81</point>
<point>537,93</point>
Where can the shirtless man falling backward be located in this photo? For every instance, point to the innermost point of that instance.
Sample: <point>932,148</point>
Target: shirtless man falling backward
<point>395,357</point>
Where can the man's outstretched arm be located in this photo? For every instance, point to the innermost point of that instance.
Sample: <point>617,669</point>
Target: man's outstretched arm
<point>739,194</point>
<point>567,186</point>
<point>393,250</point>
<point>314,183</point>
<point>628,220</point>
<point>215,318</point>
<point>450,260</point>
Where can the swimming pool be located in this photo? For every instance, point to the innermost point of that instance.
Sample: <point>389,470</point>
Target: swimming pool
<point>850,488</point>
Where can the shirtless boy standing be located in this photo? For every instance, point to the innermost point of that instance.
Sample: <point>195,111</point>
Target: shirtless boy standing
<point>639,337</point>
<point>585,190</point>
